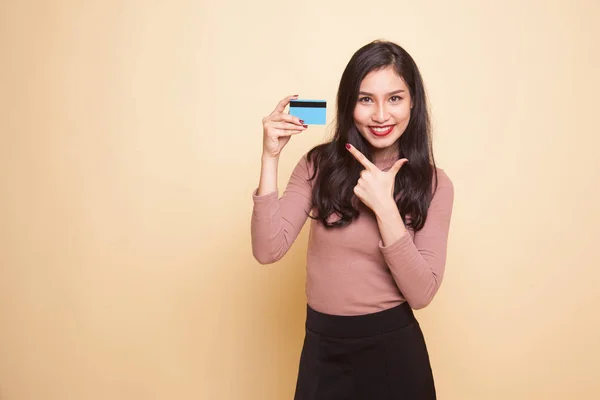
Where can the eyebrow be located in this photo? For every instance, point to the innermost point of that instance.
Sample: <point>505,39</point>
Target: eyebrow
<point>389,94</point>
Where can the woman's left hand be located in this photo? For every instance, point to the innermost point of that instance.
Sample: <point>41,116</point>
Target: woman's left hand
<point>375,188</point>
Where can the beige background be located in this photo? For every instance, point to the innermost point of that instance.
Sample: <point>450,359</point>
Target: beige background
<point>131,139</point>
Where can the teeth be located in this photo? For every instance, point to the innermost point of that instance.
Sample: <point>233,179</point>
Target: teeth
<point>381,129</point>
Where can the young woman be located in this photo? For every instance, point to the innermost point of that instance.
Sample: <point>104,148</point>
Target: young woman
<point>380,214</point>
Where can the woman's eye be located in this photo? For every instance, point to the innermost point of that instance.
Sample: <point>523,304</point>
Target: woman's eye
<point>395,98</point>
<point>364,99</point>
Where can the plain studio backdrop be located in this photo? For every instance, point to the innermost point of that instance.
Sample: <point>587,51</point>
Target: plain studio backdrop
<point>131,141</point>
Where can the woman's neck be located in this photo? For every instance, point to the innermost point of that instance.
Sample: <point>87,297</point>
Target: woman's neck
<point>385,157</point>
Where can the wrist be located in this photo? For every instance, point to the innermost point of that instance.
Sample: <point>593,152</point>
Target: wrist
<point>266,159</point>
<point>386,209</point>
<point>390,223</point>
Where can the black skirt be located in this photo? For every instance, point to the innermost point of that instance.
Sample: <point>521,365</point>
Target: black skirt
<point>379,356</point>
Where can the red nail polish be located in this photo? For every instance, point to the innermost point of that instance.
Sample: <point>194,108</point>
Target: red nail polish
<point>348,146</point>
<point>302,122</point>
<point>306,126</point>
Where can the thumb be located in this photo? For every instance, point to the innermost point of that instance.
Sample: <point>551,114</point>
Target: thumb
<point>397,165</point>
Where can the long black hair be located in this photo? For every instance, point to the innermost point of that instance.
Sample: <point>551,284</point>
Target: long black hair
<point>336,172</point>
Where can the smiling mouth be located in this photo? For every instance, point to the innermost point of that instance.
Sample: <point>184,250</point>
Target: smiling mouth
<point>381,130</point>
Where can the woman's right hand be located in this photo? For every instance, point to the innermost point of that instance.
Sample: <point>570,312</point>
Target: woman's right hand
<point>278,127</point>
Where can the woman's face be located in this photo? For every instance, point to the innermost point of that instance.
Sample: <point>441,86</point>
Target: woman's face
<point>383,108</point>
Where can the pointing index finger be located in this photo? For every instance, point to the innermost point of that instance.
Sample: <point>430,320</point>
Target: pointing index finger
<point>281,106</point>
<point>360,157</point>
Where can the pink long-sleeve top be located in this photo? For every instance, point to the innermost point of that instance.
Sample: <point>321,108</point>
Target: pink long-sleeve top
<point>349,271</point>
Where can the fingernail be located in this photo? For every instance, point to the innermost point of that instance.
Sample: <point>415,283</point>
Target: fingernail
<point>302,122</point>
<point>348,146</point>
<point>306,126</point>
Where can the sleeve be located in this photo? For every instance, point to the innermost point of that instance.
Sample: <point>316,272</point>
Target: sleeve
<point>417,265</point>
<point>276,222</point>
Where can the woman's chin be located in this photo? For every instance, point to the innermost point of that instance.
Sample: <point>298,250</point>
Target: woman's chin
<point>382,143</point>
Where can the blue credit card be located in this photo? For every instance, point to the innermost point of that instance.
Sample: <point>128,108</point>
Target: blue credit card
<point>312,112</point>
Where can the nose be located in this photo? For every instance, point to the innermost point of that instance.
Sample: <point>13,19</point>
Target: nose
<point>380,114</point>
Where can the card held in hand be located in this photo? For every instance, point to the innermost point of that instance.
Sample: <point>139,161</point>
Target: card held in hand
<point>312,112</point>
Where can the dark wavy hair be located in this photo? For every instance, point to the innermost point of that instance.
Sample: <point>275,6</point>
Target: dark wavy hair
<point>336,171</point>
